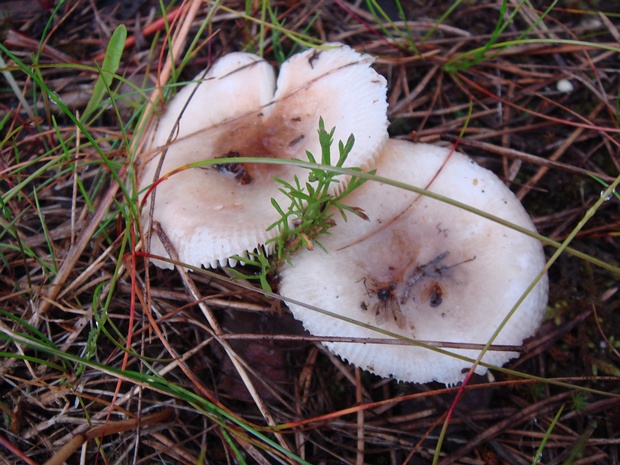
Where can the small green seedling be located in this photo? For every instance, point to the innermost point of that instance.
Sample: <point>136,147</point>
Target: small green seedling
<point>310,213</point>
<point>309,216</point>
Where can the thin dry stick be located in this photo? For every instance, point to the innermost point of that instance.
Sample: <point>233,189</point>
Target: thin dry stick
<point>613,30</point>
<point>510,171</point>
<point>555,155</point>
<point>86,275</point>
<point>360,417</point>
<point>172,448</point>
<point>173,353</point>
<point>403,103</point>
<point>133,392</point>
<point>371,340</point>
<point>422,85</point>
<point>70,447</point>
<point>217,331</point>
<point>537,409</point>
<point>75,188</point>
<point>74,254</point>
<point>533,159</point>
<point>8,445</point>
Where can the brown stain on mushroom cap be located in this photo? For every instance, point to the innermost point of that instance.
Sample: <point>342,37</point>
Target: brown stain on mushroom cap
<point>254,136</point>
<point>409,254</point>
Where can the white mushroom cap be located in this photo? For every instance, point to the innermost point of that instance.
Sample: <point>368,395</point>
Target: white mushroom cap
<point>212,213</point>
<point>452,275</point>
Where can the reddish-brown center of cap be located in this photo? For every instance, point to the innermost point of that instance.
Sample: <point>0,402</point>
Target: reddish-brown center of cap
<point>275,137</point>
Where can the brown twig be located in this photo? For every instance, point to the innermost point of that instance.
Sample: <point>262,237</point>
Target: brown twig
<point>100,431</point>
<point>533,159</point>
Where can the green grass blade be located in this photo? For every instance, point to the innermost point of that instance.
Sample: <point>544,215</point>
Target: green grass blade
<point>441,20</point>
<point>110,65</point>
<point>381,17</point>
<point>538,455</point>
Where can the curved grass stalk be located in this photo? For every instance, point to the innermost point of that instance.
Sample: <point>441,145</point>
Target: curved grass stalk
<point>372,177</point>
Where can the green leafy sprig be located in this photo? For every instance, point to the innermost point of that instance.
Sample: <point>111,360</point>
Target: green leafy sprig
<point>310,213</point>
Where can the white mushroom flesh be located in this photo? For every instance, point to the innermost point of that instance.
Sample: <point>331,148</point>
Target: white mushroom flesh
<point>210,213</point>
<point>423,269</point>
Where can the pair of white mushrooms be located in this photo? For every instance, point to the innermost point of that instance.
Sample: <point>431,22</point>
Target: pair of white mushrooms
<point>419,268</point>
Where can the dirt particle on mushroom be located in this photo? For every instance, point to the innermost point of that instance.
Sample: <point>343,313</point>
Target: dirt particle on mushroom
<point>435,294</point>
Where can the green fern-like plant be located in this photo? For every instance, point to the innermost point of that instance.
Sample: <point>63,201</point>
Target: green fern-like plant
<point>311,210</point>
<point>309,214</point>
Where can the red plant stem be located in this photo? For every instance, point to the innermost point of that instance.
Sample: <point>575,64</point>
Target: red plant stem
<point>15,451</point>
